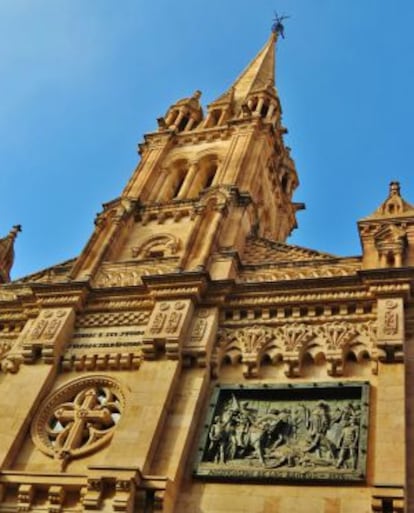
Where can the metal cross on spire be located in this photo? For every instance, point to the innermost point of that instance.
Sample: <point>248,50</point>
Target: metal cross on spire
<point>277,26</point>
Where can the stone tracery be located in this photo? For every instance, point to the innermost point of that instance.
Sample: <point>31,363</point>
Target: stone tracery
<point>78,418</point>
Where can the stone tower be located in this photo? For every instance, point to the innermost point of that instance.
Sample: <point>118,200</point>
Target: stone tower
<point>191,360</point>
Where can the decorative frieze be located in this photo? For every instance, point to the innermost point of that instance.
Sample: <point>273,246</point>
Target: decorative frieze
<point>123,318</point>
<point>298,273</point>
<point>128,274</point>
<point>289,343</point>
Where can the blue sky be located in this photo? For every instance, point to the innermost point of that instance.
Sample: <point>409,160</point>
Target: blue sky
<point>83,80</point>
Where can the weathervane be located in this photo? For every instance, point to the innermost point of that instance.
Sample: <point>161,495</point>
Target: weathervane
<point>278,27</point>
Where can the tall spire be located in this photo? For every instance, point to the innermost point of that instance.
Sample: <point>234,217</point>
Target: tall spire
<point>7,253</point>
<point>257,76</point>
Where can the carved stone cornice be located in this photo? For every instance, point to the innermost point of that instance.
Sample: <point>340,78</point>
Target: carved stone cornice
<point>277,297</point>
<point>192,285</point>
<point>63,295</point>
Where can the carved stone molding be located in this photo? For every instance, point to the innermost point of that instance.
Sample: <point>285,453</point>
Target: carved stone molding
<point>298,272</point>
<point>290,343</point>
<point>130,274</point>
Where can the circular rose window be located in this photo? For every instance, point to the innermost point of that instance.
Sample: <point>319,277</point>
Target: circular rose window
<point>78,418</point>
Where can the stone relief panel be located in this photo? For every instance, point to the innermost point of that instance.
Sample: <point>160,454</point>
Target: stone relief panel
<point>286,433</point>
<point>78,418</point>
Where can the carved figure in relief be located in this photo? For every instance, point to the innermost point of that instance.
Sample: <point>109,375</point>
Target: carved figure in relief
<point>319,423</point>
<point>313,435</point>
<point>219,439</point>
<point>348,444</point>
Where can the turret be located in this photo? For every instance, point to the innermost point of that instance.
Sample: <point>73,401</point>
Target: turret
<point>183,115</point>
<point>387,235</point>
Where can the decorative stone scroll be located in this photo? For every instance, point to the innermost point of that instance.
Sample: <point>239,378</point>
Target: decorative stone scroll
<point>315,432</point>
<point>78,418</point>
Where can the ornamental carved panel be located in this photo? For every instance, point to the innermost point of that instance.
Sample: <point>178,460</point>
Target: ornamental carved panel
<point>315,432</point>
<point>390,319</point>
<point>78,418</point>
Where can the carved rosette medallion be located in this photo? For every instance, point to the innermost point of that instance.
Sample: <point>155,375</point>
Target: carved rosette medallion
<point>78,418</point>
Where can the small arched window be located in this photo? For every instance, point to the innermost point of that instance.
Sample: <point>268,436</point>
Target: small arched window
<point>264,110</point>
<point>178,184</point>
<point>210,175</point>
<point>183,123</point>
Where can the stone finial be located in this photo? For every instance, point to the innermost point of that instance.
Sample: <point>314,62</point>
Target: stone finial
<point>7,253</point>
<point>394,189</point>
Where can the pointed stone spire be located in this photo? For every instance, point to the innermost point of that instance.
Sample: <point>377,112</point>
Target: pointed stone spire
<point>258,76</point>
<point>7,253</point>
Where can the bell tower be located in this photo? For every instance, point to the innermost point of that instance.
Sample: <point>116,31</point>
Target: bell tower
<point>190,359</point>
<point>205,183</point>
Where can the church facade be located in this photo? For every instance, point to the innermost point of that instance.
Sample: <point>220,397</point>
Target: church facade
<point>190,360</point>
